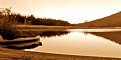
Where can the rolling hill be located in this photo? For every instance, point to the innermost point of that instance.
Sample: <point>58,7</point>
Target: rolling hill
<point>113,20</point>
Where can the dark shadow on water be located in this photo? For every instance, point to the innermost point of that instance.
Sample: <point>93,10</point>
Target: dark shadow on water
<point>30,43</point>
<point>53,33</point>
<point>112,36</point>
<point>40,33</point>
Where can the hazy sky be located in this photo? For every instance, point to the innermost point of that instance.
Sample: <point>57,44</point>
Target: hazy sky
<point>74,11</point>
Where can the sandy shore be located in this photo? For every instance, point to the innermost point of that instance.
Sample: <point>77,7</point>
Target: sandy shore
<point>9,54</point>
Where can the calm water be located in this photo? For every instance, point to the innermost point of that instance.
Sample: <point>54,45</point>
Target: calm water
<point>87,42</point>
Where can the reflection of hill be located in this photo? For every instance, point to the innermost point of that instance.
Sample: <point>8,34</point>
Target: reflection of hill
<point>53,33</point>
<point>113,36</point>
<point>109,21</point>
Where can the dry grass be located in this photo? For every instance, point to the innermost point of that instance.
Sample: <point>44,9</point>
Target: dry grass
<point>41,27</point>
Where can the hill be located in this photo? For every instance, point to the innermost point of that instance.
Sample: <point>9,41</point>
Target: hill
<point>113,20</point>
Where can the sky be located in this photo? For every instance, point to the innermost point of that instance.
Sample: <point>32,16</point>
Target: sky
<point>73,11</point>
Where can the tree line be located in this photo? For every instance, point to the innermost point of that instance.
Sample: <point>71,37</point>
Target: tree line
<point>20,19</point>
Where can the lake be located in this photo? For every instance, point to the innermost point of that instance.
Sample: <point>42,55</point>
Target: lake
<point>86,42</point>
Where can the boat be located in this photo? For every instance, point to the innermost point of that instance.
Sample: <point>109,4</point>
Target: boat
<point>21,43</point>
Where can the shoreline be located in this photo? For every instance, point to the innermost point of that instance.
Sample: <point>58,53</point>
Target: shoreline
<point>60,27</point>
<point>10,54</point>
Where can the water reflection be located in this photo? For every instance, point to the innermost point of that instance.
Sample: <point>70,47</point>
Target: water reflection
<point>79,43</point>
<point>35,33</point>
<point>113,36</point>
<point>31,43</point>
<point>53,33</point>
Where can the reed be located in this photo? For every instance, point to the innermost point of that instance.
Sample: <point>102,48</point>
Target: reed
<point>6,28</point>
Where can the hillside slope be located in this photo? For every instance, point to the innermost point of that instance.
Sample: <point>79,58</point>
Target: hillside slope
<point>109,21</point>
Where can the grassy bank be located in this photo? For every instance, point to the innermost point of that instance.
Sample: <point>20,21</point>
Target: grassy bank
<point>41,27</point>
<point>60,27</point>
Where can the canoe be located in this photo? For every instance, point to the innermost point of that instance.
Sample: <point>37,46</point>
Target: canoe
<point>20,40</point>
<point>22,43</point>
<point>23,46</point>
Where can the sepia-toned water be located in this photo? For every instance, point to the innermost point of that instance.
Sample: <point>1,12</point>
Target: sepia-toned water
<point>86,42</point>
